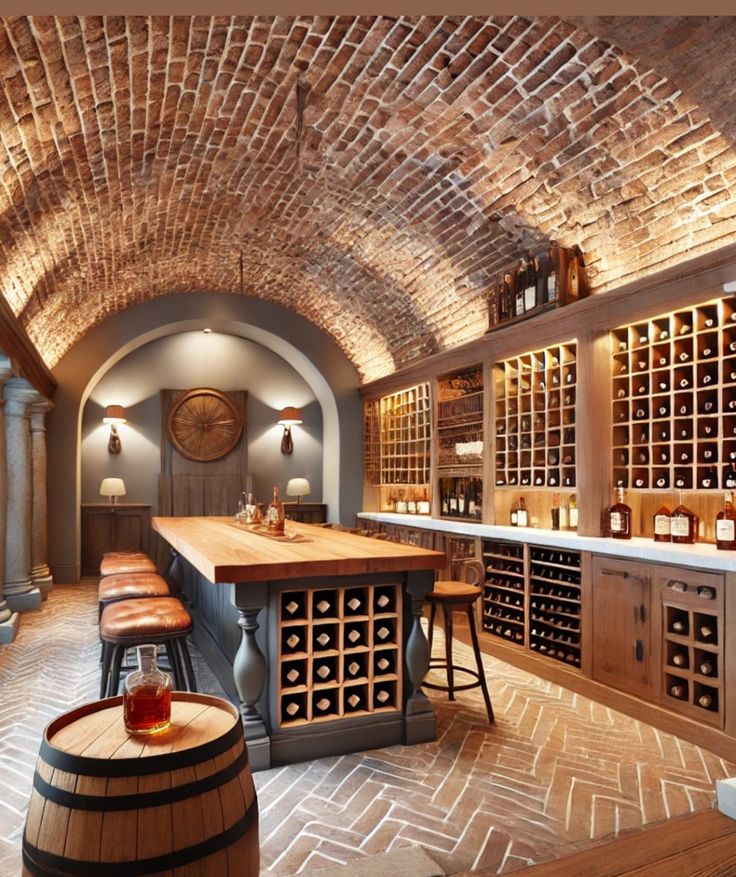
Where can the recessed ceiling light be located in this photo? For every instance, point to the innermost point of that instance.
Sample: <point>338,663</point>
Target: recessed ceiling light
<point>207,331</point>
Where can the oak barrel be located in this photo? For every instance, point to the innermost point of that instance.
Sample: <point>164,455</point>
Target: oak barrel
<point>176,803</point>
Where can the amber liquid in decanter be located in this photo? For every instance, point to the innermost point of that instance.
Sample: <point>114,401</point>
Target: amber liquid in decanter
<point>147,696</point>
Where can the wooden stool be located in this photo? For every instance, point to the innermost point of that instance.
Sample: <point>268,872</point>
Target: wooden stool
<point>117,562</point>
<point>451,596</point>
<point>158,620</point>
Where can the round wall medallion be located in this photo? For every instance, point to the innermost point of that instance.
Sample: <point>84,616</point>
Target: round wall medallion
<point>203,425</point>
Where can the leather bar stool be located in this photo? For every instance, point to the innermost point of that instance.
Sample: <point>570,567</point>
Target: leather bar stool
<point>126,586</point>
<point>454,596</point>
<point>158,620</point>
<point>118,562</point>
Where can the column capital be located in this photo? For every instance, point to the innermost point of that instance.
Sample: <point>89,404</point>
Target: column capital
<point>19,396</point>
<point>6,370</point>
<point>38,411</point>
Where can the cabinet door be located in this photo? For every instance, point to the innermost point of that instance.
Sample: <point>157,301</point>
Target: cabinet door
<point>132,527</point>
<point>622,636</point>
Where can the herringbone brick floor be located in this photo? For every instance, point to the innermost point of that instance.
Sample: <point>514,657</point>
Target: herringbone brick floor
<point>555,773</point>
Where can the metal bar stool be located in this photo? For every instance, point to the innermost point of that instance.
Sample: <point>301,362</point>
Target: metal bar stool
<point>158,620</point>
<point>452,596</point>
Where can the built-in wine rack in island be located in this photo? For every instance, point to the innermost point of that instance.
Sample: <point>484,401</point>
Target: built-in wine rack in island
<point>459,431</point>
<point>674,400</point>
<point>504,591</point>
<point>398,449</point>
<point>339,653</point>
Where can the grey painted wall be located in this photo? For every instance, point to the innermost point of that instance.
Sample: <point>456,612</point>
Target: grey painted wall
<point>196,359</point>
<point>312,353</point>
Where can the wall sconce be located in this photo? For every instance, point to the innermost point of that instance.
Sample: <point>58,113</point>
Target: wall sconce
<point>287,418</point>
<point>298,487</point>
<point>112,488</point>
<point>114,414</point>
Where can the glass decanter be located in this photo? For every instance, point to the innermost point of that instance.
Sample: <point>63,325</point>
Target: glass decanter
<point>147,695</point>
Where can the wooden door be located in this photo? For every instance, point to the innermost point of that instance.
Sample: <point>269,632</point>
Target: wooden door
<point>622,632</point>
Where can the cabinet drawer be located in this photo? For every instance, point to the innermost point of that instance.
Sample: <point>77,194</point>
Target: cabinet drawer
<point>611,568</point>
<point>690,588</point>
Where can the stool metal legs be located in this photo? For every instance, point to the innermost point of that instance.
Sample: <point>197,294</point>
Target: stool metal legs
<point>479,662</point>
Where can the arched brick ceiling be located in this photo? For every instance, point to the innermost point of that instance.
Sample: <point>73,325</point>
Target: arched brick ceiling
<point>142,156</point>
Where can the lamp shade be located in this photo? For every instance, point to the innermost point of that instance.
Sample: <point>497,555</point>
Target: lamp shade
<point>289,416</point>
<point>297,487</point>
<point>114,414</point>
<point>112,487</point>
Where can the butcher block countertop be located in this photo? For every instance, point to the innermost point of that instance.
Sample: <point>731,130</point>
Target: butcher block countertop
<point>225,552</point>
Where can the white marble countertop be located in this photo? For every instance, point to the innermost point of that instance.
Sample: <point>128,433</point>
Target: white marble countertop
<point>701,555</point>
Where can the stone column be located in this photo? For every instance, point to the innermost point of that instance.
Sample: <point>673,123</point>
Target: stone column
<point>40,572</point>
<point>8,618</point>
<point>19,590</point>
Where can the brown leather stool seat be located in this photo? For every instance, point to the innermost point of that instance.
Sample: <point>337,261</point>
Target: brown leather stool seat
<point>123,586</point>
<point>157,620</point>
<point>453,596</point>
<point>118,562</point>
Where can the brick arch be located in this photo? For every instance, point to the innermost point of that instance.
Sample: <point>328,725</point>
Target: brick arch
<point>143,155</point>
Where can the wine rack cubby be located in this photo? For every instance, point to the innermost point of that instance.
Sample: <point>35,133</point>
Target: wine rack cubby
<point>535,418</point>
<point>674,400</point>
<point>504,591</point>
<point>555,604</point>
<point>692,645</point>
<point>339,653</point>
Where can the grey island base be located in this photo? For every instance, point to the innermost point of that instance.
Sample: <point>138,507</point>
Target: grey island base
<point>316,636</point>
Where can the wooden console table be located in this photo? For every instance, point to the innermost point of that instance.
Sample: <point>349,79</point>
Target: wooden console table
<point>124,526</point>
<point>318,639</point>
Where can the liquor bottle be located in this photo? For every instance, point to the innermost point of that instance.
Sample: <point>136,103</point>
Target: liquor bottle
<point>147,695</point>
<point>620,515</point>
<point>726,524</point>
<point>522,516</point>
<point>423,506</point>
<point>542,266</point>
<point>662,530</point>
<point>275,514</point>
<point>461,501</point>
<point>520,284</point>
<point>444,499</point>
<point>553,274</point>
<point>572,513</point>
<point>683,524</point>
<point>530,285</point>
<point>506,297</point>
<point>453,504</point>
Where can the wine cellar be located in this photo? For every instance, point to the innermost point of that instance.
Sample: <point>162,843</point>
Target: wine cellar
<point>636,395</point>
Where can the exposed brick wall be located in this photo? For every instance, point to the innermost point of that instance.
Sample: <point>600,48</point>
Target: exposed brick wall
<point>140,156</point>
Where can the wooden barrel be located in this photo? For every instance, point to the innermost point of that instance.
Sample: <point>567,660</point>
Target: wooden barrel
<point>106,804</point>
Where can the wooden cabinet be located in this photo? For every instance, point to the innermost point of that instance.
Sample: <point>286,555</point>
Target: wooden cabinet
<point>306,512</point>
<point>119,527</point>
<point>623,639</point>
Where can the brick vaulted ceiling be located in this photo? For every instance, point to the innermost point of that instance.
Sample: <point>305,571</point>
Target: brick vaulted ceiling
<point>374,172</point>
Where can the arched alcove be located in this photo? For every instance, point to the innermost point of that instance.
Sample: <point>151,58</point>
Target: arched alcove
<point>325,369</point>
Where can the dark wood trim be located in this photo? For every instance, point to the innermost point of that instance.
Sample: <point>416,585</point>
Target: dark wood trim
<point>26,360</point>
<point>691,282</point>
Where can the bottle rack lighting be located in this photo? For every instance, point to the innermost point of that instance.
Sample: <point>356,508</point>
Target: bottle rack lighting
<point>674,400</point>
<point>535,418</point>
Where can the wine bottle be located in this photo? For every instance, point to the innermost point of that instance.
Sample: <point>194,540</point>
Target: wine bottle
<point>620,515</point>
<point>553,273</point>
<point>683,524</point>
<point>726,524</point>
<point>662,530</point>
<point>705,700</point>
<point>522,518</point>
<point>530,285</point>
<point>514,519</point>
<point>705,632</point>
<point>678,691</point>
<point>520,286</point>
<point>506,305</point>
<point>572,513</point>
<point>679,659</point>
<point>705,668</point>
<point>679,626</point>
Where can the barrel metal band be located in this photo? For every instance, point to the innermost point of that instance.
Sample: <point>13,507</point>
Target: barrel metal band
<point>107,803</point>
<point>131,767</point>
<point>42,864</point>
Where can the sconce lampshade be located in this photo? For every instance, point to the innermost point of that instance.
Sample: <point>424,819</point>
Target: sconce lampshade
<point>112,487</point>
<point>289,416</point>
<point>298,487</point>
<point>114,414</point>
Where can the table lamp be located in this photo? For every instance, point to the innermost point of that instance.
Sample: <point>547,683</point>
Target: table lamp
<point>112,487</point>
<point>298,487</point>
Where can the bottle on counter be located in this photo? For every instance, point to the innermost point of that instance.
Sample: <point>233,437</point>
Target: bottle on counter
<point>423,506</point>
<point>514,517</point>
<point>620,517</point>
<point>275,514</point>
<point>522,519</point>
<point>147,695</point>
<point>683,524</point>
<point>726,524</point>
<point>662,522</point>
<point>401,506</point>
<point>572,513</point>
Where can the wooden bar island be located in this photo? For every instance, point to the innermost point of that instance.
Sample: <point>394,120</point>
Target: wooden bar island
<point>317,634</point>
